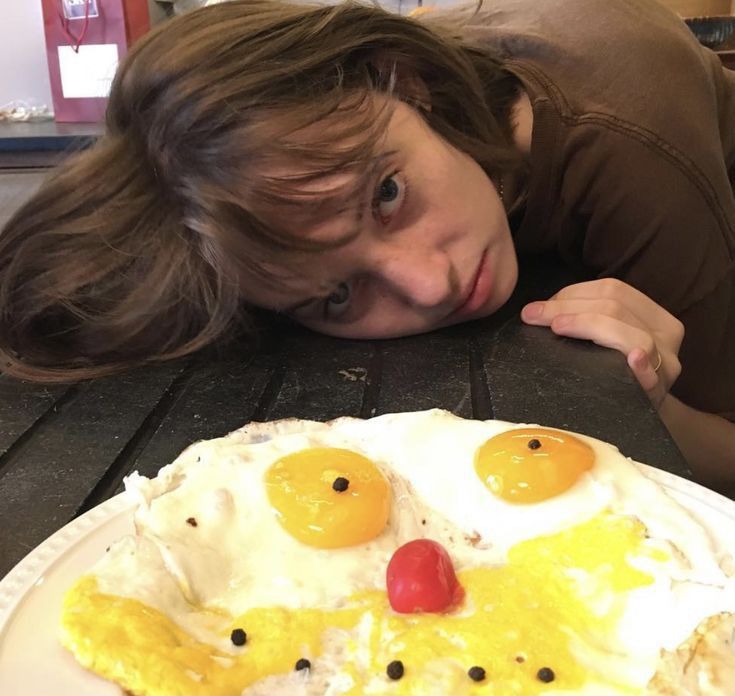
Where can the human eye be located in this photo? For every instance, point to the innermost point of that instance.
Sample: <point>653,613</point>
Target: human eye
<point>389,196</point>
<point>338,302</point>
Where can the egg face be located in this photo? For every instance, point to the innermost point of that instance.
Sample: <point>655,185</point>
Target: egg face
<point>250,559</point>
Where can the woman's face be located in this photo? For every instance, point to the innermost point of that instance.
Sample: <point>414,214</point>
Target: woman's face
<point>432,246</point>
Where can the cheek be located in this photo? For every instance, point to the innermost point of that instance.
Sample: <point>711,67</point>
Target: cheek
<point>385,318</point>
<point>505,262</point>
<point>281,290</point>
<point>504,272</point>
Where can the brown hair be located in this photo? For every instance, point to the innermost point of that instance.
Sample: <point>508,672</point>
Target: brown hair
<point>132,250</point>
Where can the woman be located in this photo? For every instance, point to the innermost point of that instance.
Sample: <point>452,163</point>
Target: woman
<point>372,175</point>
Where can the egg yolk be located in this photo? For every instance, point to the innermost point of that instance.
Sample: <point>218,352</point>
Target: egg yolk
<point>329,497</point>
<point>529,465</point>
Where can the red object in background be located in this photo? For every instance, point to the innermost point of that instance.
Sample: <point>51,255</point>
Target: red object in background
<point>420,578</point>
<point>85,39</point>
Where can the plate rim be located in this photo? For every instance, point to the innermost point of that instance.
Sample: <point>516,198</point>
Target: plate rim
<point>37,562</point>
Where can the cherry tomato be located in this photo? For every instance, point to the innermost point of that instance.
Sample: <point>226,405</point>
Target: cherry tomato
<point>421,578</point>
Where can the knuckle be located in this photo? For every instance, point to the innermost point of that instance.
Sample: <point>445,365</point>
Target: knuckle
<point>565,321</point>
<point>610,287</point>
<point>679,330</point>
<point>675,368</point>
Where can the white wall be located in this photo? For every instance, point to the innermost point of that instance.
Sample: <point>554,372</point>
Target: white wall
<point>23,68</point>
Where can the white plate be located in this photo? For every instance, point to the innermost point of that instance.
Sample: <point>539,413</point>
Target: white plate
<point>32,663</point>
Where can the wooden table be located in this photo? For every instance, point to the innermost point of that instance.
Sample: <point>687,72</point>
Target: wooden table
<point>64,449</point>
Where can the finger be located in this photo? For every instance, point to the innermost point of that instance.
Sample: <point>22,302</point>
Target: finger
<point>612,288</point>
<point>605,331</point>
<point>649,313</point>
<point>542,313</point>
<point>643,369</point>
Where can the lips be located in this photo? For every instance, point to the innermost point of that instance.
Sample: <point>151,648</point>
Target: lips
<point>478,292</point>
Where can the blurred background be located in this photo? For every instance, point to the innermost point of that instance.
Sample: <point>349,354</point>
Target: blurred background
<point>24,72</point>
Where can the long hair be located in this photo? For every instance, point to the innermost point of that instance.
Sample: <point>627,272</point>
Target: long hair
<point>132,251</point>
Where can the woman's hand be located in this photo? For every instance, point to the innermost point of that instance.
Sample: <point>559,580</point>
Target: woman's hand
<point>614,314</point>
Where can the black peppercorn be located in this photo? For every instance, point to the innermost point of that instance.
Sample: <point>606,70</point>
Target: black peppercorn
<point>238,637</point>
<point>534,444</point>
<point>546,675</point>
<point>476,673</point>
<point>303,663</point>
<point>395,670</point>
<point>340,484</point>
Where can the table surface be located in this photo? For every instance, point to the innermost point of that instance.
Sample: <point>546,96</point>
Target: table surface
<point>66,448</point>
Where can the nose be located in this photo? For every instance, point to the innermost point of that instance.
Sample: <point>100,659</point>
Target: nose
<point>421,275</point>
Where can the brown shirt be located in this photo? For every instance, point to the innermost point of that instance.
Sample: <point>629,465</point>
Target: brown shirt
<point>632,158</point>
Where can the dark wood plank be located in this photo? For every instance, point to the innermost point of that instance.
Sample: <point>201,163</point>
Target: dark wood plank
<point>322,378</point>
<point>422,372</point>
<point>220,397</point>
<point>49,476</point>
<point>295,374</point>
<point>22,404</point>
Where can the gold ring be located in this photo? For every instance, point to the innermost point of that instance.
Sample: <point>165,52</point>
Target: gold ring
<point>658,362</point>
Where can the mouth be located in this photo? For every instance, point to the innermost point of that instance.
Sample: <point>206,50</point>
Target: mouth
<point>477,293</point>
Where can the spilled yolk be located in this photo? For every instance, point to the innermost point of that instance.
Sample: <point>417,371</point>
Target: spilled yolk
<point>141,649</point>
<point>532,608</point>
<point>529,465</point>
<point>300,489</point>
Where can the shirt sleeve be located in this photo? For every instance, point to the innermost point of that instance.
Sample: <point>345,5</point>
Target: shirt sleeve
<point>642,211</point>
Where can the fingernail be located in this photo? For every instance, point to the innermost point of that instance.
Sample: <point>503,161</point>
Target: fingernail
<point>533,310</point>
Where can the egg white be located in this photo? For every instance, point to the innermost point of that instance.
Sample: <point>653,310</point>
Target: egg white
<point>238,556</point>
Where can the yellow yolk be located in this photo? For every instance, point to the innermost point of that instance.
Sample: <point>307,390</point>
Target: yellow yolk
<point>529,608</point>
<point>108,634</point>
<point>300,489</point>
<point>529,465</point>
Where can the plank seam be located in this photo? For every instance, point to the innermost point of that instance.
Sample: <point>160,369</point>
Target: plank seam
<point>125,461</point>
<point>371,393</point>
<point>269,396</point>
<point>11,453</point>
<point>482,403</point>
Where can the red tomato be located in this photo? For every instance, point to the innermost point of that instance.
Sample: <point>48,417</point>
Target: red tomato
<point>420,577</point>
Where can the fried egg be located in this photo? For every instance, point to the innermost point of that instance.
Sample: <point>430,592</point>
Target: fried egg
<point>260,562</point>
